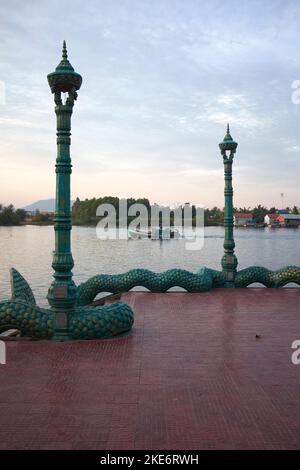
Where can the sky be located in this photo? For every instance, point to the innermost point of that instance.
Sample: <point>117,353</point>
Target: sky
<point>161,79</point>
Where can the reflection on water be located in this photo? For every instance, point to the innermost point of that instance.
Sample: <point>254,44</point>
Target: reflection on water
<point>28,249</point>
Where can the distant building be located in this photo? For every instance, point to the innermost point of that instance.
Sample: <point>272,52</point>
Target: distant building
<point>242,220</point>
<point>289,220</point>
<point>48,214</point>
<point>271,220</point>
<point>31,214</point>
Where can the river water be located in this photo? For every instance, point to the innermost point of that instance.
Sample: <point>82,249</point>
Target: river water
<point>28,249</point>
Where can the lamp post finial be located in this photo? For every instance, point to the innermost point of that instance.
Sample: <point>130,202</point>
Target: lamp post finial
<point>64,51</point>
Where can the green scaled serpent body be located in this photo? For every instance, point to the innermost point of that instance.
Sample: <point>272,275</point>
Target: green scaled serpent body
<point>268,278</point>
<point>202,281</point>
<point>88,322</point>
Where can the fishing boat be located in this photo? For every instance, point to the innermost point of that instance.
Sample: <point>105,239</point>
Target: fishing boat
<point>157,233</point>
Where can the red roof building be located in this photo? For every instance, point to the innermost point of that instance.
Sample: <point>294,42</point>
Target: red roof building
<point>289,220</point>
<point>272,220</point>
<point>243,219</point>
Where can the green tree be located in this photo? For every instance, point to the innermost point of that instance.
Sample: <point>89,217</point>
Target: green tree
<point>21,213</point>
<point>259,213</point>
<point>10,216</point>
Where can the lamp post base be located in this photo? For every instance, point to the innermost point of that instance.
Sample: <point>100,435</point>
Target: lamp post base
<point>229,284</point>
<point>61,336</point>
<point>61,328</point>
<point>229,265</point>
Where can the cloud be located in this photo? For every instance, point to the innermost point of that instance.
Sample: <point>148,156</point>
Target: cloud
<point>195,172</point>
<point>160,82</point>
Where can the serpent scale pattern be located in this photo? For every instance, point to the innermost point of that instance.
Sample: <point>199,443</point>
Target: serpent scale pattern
<point>89,322</point>
<point>21,312</point>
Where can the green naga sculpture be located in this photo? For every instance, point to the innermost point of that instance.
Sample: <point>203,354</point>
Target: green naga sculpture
<point>71,314</point>
<point>205,279</point>
<point>66,319</point>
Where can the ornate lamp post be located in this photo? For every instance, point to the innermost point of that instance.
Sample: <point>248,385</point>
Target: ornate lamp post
<point>62,292</point>
<point>229,261</point>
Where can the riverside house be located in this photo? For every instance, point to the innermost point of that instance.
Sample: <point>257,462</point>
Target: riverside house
<point>243,220</point>
<point>271,220</point>
<point>289,220</point>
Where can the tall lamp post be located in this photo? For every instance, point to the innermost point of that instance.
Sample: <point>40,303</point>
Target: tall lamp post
<point>229,261</point>
<point>62,292</point>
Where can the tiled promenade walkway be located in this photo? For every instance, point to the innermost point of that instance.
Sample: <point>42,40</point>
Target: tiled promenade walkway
<point>191,375</point>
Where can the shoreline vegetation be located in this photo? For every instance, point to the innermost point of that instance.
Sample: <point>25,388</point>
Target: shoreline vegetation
<point>84,213</point>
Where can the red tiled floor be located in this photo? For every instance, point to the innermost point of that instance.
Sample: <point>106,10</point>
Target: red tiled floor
<point>191,375</point>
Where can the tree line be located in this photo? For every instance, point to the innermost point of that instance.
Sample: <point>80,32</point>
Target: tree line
<point>84,212</point>
<point>11,216</point>
<point>215,216</point>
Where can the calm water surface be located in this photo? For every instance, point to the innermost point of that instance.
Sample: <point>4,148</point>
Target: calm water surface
<point>28,249</point>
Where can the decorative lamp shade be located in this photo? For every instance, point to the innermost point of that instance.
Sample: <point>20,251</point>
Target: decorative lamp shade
<point>228,143</point>
<point>64,79</point>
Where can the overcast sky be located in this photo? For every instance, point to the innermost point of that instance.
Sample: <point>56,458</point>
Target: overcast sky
<point>161,78</point>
